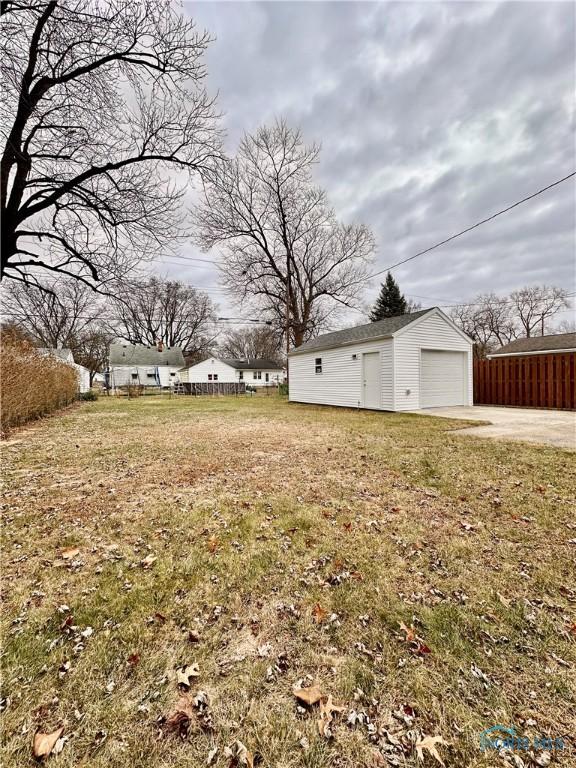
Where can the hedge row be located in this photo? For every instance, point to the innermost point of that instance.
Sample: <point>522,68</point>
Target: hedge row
<point>31,384</point>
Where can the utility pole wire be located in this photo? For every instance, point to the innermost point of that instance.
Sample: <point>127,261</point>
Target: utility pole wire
<point>474,226</point>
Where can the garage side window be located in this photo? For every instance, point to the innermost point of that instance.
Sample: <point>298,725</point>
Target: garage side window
<point>318,365</point>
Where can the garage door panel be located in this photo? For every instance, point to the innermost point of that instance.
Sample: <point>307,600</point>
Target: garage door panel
<point>443,380</point>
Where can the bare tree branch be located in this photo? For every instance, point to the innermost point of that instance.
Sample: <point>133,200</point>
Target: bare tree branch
<point>170,311</point>
<point>280,239</point>
<point>102,101</point>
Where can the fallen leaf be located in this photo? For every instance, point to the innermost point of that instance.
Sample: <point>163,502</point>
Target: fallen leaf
<point>327,706</point>
<point>410,632</point>
<point>184,674</point>
<point>134,659</point>
<point>417,645</point>
<point>319,613</point>
<point>429,743</point>
<point>213,544</point>
<point>239,755</point>
<point>178,721</point>
<point>44,743</point>
<point>148,561</point>
<point>69,554</point>
<point>504,600</point>
<point>309,696</point>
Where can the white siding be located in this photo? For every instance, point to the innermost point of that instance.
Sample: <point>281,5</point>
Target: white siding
<point>443,378</point>
<point>433,332</point>
<point>274,377</point>
<point>122,375</point>
<point>340,382</point>
<point>198,374</point>
<point>83,378</point>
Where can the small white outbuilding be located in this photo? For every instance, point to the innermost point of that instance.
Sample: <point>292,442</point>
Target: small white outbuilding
<point>404,363</point>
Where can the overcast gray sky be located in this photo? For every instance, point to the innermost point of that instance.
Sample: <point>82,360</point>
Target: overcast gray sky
<point>431,116</point>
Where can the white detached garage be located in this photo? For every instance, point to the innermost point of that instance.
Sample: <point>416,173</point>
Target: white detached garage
<point>420,360</point>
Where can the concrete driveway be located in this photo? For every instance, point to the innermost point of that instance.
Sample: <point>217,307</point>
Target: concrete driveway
<point>556,428</point>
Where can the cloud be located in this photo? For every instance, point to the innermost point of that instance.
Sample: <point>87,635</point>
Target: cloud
<point>431,116</point>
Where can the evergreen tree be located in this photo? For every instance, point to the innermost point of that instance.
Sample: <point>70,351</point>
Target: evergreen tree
<point>390,301</point>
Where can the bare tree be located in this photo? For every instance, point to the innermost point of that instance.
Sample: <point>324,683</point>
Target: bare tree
<point>170,311</point>
<point>283,248</point>
<point>252,344</point>
<point>413,306</point>
<point>493,321</point>
<point>54,315</point>
<point>91,349</point>
<point>566,326</point>
<point>471,321</point>
<point>489,321</point>
<point>536,305</point>
<point>101,98</point>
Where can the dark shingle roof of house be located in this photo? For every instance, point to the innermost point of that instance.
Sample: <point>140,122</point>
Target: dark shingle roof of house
<point>140,354</point>
<point>261,364</point>
<point>538,344</point>
<point>378,330</point>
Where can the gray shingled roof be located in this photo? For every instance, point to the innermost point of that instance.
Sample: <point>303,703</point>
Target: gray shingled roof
<point>261,364</point>
<point>378,330</point>
<point>140,354</point>
<point>538,344</point>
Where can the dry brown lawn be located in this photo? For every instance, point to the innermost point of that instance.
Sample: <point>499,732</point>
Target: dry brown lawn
<point>278,546</point>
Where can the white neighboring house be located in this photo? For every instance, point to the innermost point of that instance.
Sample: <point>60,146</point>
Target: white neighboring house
<point>67,357</point>
<point>256,373</point>
<point>155,366</point>
<point>404,363</point>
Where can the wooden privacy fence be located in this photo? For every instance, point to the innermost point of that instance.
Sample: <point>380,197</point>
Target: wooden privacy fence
<point>532,381</point>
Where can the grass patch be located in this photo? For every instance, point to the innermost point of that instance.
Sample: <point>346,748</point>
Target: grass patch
<point>284,543</point>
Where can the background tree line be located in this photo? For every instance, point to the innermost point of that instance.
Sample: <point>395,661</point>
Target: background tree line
<point>70,314</point>
<point>492,321</point>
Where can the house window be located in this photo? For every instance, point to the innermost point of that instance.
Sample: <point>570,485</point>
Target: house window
<point>150,375</point>
<point>267,377</point>
<point>172,373</point>
<point>134,375</point>
<point>257,374</point>
<point>318,365</point>
<point>241,375</point>
<point>212,377</point>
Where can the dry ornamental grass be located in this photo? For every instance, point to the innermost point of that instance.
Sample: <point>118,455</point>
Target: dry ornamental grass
<point>31,384</point>
<point>237,582</point>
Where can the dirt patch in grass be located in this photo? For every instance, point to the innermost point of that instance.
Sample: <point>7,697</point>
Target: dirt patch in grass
<point>275,545</point>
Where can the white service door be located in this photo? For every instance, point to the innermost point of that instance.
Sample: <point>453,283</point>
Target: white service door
<point>371,380</point>
<point>443,379</point>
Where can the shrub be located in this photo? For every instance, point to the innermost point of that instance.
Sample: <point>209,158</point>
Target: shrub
<point>282,389</point>
<point>90,395</point>
<point>32,384</point>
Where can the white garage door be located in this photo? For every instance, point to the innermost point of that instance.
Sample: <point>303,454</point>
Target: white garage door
<point>443,379</point>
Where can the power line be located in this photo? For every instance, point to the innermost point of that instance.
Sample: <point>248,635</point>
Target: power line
<point>100,316</point>
<point>474,226</point>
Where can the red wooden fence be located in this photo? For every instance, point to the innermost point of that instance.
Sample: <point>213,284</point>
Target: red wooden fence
<point>533,381</point>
